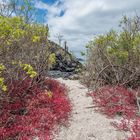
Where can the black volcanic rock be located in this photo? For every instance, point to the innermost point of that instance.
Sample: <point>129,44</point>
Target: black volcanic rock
<point>65,61</point>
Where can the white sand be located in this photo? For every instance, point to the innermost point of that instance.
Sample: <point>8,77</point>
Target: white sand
<point>86,124</point>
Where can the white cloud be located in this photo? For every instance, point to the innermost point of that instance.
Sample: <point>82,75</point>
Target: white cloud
<point>85,18</point>
<point>53,10</point>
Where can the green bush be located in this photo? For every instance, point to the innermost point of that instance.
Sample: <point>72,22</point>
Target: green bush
<point>23,43</point>
<point>114,58</point>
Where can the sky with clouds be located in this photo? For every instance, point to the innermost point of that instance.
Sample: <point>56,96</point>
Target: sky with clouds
<point>80,20</point>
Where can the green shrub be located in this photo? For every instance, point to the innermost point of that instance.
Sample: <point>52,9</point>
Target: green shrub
<point>114,58</point>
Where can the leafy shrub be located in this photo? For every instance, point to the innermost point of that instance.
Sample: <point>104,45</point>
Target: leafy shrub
<point>22,54</point>
<point>31,106</point>
<point>18,36</point>
<point>114,58</point>
<point>31,112</point>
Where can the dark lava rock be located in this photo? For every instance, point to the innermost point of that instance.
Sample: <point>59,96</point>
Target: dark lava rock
<point>65,61</point>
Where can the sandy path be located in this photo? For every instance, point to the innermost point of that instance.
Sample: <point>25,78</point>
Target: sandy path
<point>86,124</point>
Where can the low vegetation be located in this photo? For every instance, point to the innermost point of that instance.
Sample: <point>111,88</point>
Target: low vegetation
<point>119,101</point>
<point>31,112</point>
<point>112,73</point>
<point>114,58</point>
<point>31,105</point>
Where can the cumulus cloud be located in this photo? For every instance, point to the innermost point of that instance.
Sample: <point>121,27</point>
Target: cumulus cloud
<point>53,11</point>
<point>80,20</point>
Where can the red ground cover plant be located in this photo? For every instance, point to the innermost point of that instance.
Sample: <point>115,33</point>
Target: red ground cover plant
<point>32,112</point>
<point>119,100</point>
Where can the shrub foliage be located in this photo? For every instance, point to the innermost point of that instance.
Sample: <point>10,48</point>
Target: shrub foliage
<point>30,105</point>
<point>113,73</point>
<point>114,58</point>
<point>31,112</point>
<point>117,100</point>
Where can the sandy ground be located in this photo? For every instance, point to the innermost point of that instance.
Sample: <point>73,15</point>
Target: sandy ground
<point>86,124</point>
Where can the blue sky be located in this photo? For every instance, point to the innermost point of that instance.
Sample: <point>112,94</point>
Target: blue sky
<point>41,13</point>
<point>44,10</point>
<point>81,20</point>
<point>49,1</point>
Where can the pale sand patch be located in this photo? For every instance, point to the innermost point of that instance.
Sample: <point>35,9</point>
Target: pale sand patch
<point>86,124</point>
